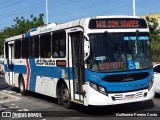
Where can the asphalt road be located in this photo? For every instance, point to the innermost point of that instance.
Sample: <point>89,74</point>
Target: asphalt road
<point>36,104</point>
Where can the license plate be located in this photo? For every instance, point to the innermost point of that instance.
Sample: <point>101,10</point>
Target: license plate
<point>130,96</point>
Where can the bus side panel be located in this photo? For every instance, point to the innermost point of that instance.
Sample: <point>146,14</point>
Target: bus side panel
<point>46,86</point>
<point>7,77</point>
<point>16,75</point>
<point>19,68</point>
<point>39,78</point>
<point>43,79</point>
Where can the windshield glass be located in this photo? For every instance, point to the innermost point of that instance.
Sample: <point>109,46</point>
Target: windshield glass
<point>119,51</point>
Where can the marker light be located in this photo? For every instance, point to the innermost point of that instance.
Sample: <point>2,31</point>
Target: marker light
<point>150,84</point>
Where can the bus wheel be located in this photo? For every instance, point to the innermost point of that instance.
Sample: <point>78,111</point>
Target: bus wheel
<point>22,86</point>
<point>65,96</point>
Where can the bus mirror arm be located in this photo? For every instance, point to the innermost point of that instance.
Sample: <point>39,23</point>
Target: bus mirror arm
<point>86,48</point>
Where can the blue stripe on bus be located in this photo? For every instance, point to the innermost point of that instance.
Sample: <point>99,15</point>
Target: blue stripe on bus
<point>26,35</point>
<point>55,72</point>
<point>48,71</point>
<point>20,69</point>
<point>15,68</point>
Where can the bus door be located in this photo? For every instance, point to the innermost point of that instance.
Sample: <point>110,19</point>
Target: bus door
<point>10,62</point>
<point>77,63</point>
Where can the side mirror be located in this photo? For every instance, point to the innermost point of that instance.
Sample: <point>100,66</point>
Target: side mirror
<point>86,48</point>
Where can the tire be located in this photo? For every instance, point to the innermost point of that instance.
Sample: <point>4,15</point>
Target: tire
<point>59,97</point>
<point>157,95</point>
<point>65,96</point>
<point>22,86</point>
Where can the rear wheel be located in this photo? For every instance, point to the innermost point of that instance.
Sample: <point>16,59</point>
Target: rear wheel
<point>22,86</point>
<point>65,96</point>
<point>59,96</point>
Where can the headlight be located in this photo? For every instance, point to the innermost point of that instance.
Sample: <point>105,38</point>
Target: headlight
<point>98,88</point>
<point>150,84</point>
<point>94,86</point>
<point>101,89</point>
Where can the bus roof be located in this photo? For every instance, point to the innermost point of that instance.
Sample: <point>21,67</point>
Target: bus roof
<point>116,16</point>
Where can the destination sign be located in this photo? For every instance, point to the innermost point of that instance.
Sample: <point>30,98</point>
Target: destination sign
<point>117,23</point>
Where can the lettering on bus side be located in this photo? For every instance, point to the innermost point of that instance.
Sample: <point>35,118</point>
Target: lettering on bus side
<point>45,62</point>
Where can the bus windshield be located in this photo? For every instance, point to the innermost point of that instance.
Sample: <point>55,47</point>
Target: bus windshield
<point>119,51</point>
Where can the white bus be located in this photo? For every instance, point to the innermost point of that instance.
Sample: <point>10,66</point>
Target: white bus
<point>2,65</point>
<point>96,61</point>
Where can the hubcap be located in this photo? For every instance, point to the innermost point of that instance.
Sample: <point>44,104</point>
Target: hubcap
<point>65,95</point>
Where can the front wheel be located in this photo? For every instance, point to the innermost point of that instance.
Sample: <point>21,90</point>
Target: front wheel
<point>65,96</point>
<point>22,86</point>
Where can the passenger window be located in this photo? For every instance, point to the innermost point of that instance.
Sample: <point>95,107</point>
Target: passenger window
<point>59,44</point>
<point>34,46</point>
<point>6,50</point>
<point>18,50</point>
<point>45,45</point>
<point>25,48</point>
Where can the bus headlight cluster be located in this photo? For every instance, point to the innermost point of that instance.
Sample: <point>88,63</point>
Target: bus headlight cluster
<point>98,88</point>
<point>150,84</point>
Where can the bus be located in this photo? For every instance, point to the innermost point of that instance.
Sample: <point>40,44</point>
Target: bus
<point>75,62</point>
<point>2,65</point>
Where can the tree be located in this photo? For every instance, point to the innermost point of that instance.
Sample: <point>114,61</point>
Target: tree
<point>155,38</point>
<point>21,26</point>
<point>154,31</point>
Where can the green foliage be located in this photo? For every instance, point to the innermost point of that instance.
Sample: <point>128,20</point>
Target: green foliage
<point>155,38</point>
<point>21,26</point>
<point>155,50</point>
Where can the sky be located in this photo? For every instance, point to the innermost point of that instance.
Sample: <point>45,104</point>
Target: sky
<point>61,11</point>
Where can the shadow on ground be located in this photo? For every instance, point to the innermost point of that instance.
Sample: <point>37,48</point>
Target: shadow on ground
<point>80,110</point>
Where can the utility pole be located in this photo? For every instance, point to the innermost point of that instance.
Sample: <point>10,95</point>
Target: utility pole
<point>134,8</point>
<point>47,12</point>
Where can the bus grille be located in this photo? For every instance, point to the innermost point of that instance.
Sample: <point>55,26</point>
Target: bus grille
<point>126,77</point>
<point>122,97</point>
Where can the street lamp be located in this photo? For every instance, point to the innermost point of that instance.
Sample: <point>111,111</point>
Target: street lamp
<point>47,12</point>
<point>134,8</point>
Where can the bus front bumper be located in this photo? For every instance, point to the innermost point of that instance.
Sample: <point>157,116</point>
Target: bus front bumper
<point>98,99</point>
